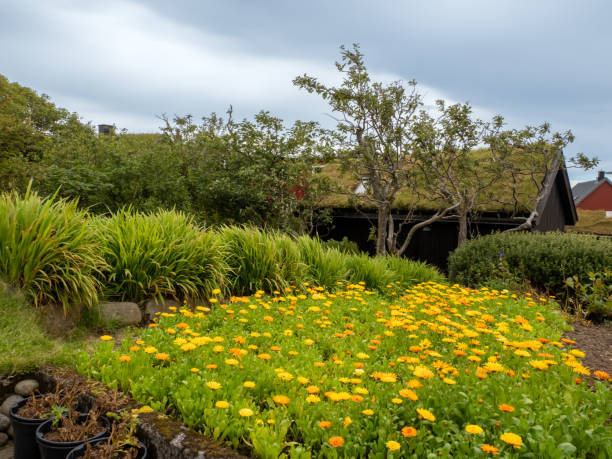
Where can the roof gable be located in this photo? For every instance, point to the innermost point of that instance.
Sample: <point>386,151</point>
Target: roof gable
<point>583,189</point>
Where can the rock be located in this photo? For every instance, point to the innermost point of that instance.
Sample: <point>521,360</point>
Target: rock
<point>5,423</point>
<point>57,322</point>
<point>7,452</point>
<point>9,402</point>
<point>124,312</point>
<point>10,431</point>
<point>26,387</point>
<point>3,439</point>
<point>153,306</point>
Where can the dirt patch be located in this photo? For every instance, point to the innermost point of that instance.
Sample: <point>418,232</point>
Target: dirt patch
<point>595,340</point>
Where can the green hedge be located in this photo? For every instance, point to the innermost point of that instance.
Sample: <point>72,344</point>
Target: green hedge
<point>545,260</point>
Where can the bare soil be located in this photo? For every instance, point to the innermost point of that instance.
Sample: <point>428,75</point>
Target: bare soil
<point>595,340</point>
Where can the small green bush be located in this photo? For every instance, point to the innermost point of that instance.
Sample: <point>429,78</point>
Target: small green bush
<point>591,298</point>
<point>544,260</point>
<point>159,254</point>
<point>48,251</point>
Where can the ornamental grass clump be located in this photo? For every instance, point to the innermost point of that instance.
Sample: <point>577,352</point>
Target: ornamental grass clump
<point>372,271</point>
<point>48,251</point>
<point>260,260</point>
<point>158,255</point>
<point>326,265</point>
<point>411,272</point>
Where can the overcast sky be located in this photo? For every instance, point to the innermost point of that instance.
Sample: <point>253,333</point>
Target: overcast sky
<point>125,62</point>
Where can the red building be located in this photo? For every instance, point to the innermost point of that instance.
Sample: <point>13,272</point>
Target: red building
<point>595,194</point>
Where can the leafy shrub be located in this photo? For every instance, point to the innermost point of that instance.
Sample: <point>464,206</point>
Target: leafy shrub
<point>326,265</point>
<point>544,260</point>
<point>159,254</point>
<point>48,251</point>
<point>592,298</point>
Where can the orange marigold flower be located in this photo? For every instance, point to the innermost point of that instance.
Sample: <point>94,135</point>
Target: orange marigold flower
<point>505,407</point>
<point>264,356</point>
<point>281,399</point>
<point>336,441</point>
<point>324,424</point>
<point>134,348</point>
<point>125,358</point>
<point>489,449</point>
<point>602,375</point>
<point>407,393</point>
<point>162,356</point>
<point>409,432</point>
<point>182,325</point>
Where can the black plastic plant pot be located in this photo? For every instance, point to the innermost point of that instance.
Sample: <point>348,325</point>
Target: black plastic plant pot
<point>59,450</point>
<point>79,451</point>
<point>25,432</point>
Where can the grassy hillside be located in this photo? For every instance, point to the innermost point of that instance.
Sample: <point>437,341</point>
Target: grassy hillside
<point>592,222</point>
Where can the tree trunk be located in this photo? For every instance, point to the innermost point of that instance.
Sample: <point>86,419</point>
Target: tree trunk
<point>381,234</point>
<point>463,224</point>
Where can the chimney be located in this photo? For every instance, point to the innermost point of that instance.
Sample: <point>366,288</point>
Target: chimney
<point>106,129</point>
<point>600,176</point>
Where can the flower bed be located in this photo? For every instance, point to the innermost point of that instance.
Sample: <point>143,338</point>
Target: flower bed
<point>443,370</point>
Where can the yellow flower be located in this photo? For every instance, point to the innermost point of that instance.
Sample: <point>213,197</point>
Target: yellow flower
<point>368,412</point>
<point>246,412</point>
<point>195,370</point>
<point>150,350</point>
<point>125,358</point>
<point>231,362</point>
<point>313,399</point>
<point>426,414</point>
<point>347,422</point>
<point>473,429</point>
<point>213,385</point>
<point>407,393</point>
<point>397,401</point>
<point>393,445</point>
<point>222,404</point>
<point>216,291</point>
<point>248,384</point>
<point>423,372</point>
<point>106,338</point>
<point>512,439</point>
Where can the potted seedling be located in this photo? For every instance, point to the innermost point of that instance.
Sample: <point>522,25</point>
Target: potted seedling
<point>27,415</point>
<point>60,434</point>
<point>121,443</point>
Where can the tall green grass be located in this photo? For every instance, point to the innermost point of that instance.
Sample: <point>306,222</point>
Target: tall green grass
<point>260,260</point>
<point>48,251</point>
<point>411,272</point>
<point>325,266</point>
<point>24,345</point>
<point>158,255</point>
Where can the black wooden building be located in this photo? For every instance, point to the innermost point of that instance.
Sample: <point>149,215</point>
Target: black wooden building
<point>434,243</point>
